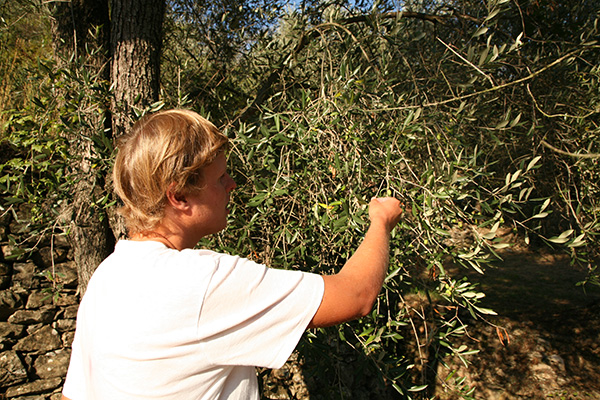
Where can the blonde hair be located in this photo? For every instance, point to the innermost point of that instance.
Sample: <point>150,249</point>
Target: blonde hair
<point>168,147</point>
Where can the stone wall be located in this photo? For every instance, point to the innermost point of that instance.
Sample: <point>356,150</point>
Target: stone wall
<point>38,307</point>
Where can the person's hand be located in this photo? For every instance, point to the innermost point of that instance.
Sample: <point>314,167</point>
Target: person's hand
<point>386,210</point>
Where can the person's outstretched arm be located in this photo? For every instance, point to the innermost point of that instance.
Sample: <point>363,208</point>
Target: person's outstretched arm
<point>351,293</point>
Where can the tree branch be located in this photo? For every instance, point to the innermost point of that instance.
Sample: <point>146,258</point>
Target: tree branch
<point>306,37</point>
<point>566,153</point>
<point>494,88</point>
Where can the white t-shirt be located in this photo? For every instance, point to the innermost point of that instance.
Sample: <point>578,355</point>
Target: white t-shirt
<point>157,323</point>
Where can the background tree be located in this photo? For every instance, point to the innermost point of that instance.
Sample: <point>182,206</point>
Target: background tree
<point>126,54</point>
<point>79,26</point>
<point>435,105</point>
<point>79,121</point>
<point>136,43</point>
<point>205,42</point>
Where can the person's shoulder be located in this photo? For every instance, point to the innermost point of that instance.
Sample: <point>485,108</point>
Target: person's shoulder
<point>203,253</point>
<point>225,260</point>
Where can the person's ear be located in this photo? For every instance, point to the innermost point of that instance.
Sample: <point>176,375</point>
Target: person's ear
<point>176,200</point>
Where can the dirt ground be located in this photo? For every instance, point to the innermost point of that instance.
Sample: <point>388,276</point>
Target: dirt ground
<point>546,340</point>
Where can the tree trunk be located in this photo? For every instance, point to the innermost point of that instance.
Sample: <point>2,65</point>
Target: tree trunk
<point>90,235</point>
<point>78,26</point>
<point>133,35</point>
<point>136,38</point>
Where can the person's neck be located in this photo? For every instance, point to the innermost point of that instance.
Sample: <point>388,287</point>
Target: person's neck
<point>158,235</point>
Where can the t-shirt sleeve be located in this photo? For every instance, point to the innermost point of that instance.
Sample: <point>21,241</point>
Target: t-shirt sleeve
<point>253,315</point>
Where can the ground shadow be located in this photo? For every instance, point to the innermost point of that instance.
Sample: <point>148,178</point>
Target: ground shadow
<point>534,285</point>
<point>548,343</point>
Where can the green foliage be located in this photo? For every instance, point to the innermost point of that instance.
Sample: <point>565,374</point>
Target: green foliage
<point>203,42</point>
<point>482,122</point>
<point>448,121</point>
<point>42,144</point>
<point>305,177</point>
<point>24,36</point>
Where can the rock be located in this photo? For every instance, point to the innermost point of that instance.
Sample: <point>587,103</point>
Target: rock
<point>10,301</point>
<point>35,387</point>
<point>67,298</point>
<point>4,281</point>
<point>70,312</point>
<point>64,274</point>
<point>558,362</point>
<point>545,375</point>
<point>12,370</point>
<point>24,275</point>
<point>65,325</point>
<point>38,299</point>
<point>55,396</point>
<point>43,340</point>
<point>5,275</point>
<point>11,251</point>
<point>53,364</point>
<point>5,218</point>
<point>48,257</point>
<point>34,397</point>
<point>535,357</point>
<point>60,240</point>
<point>44,315</point>
<point>67,273</point>
<point>18,226</point>
<point>3,232</point>
<point>67,338</point>
<point>287,382</point>
<point>31,329</point>
<point>10,333</point>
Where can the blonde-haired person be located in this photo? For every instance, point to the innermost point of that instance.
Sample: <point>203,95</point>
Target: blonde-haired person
<point>162,320</point>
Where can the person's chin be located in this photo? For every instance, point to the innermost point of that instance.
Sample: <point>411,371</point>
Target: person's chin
<point>223,225</point>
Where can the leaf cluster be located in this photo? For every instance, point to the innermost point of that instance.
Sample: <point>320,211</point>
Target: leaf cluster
<point>42,141</point>
<point>482,117</point>
<point>451,117</point>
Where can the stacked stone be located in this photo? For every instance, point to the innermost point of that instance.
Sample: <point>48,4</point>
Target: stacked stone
<point>38,307</point>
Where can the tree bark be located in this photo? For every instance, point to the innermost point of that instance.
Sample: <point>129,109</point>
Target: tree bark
<point>80,25</point>
<point>136,38</point>
<point>136,43</point>
<point>133,38</point>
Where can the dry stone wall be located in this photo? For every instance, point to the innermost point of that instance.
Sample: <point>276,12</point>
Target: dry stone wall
<point>38,308</point>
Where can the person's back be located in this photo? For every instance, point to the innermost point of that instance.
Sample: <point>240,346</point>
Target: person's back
<point>156,322</point>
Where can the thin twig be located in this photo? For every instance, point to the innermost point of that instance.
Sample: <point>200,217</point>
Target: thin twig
<point>556,115</point>
<point>467,61</point>
<point>567,153</point>
<point>488,90</point>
